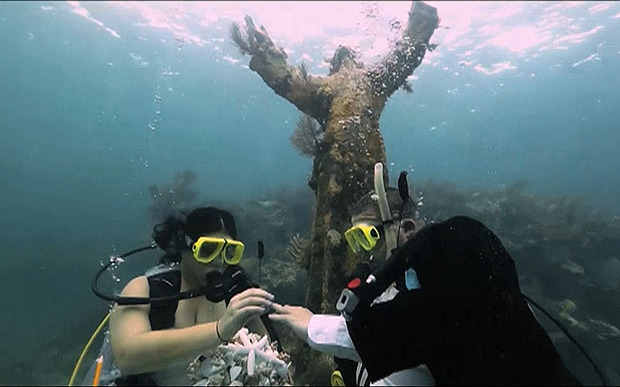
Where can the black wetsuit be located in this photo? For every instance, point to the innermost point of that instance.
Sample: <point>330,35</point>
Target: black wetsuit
<point>468,322</point>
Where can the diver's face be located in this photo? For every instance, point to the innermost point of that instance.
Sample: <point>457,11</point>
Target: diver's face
<point>196,271</point>
<point>408,228</point>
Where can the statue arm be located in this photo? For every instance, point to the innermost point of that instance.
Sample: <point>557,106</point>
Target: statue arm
<point>308,93</point>
<point>408,53</point>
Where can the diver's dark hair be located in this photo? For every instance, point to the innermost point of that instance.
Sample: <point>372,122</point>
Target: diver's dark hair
<point>170,235</point>
<point>170,231</point>
<point>208,220</point>
<point>368,205</point>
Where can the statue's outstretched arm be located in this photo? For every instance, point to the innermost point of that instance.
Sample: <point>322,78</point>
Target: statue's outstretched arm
<point>293,83</point>
<point>392,72</point>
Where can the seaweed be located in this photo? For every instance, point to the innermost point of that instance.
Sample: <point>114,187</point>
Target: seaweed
<point>307,136</point>
<point>303,69</point>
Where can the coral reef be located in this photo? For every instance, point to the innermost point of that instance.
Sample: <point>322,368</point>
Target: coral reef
<point>247,360</point>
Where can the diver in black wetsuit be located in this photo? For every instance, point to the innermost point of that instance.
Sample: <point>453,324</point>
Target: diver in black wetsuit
<point>468,322</point>
<point>460,311</point>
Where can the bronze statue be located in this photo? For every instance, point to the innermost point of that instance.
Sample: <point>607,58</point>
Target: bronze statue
<point>347,104</point>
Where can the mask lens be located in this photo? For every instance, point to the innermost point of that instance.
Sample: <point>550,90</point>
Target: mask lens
<point>229,253</point>
<point>351,240</point>
<point>233,252</point>
<point>207,249</point>
<point>365,240</point>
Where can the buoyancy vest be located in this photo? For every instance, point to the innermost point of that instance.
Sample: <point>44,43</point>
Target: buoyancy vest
<point>164,280</point>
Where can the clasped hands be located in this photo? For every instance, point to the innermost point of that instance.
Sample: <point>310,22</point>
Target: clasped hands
<point>254,302</point>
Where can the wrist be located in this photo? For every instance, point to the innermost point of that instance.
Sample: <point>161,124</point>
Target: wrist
<point>217,332</point>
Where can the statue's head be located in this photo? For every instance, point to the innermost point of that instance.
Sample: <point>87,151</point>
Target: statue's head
<point>344,57</point>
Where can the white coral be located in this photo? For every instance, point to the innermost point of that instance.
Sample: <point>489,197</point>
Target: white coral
<point>247,359</point>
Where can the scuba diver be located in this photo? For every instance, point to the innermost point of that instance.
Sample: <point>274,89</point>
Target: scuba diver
<point>183,307</point>
<point>462,313</point>
<point>381,221</point>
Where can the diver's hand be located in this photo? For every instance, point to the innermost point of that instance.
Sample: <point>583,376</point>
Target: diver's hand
<point>296,317</point>
<point>241,309</point>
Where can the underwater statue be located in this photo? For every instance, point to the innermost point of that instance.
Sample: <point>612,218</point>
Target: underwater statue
<point>347,104</point>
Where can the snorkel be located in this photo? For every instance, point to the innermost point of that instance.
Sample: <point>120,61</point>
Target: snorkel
<point>384,209</point>
<point>362,291</point>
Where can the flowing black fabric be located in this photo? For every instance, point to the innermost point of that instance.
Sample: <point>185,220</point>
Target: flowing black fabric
<point>468,322</point>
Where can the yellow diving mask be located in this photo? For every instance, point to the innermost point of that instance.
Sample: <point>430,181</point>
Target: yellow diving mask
<point>363,237</point>
<point>207,249</point>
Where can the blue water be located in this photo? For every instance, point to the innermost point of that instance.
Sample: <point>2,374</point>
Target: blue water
<point>77,154</point>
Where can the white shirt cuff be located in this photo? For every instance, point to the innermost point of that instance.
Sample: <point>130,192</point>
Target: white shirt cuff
<point>329,334</point>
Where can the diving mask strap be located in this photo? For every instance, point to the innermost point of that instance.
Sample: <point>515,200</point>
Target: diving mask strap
<point>384,209</point>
